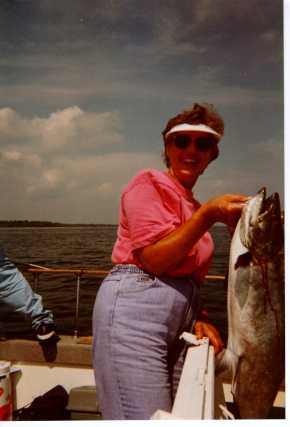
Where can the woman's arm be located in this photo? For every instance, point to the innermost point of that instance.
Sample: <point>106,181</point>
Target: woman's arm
<point>165,254</point>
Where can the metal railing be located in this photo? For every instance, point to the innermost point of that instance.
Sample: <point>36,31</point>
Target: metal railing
<point>36,270</point>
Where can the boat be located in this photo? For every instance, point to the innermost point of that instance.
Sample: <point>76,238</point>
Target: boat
<point>37,367</point>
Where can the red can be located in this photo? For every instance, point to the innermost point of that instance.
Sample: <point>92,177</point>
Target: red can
<point>5,392</point>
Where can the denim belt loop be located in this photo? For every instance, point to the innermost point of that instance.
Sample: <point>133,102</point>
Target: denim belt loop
<point>127,268</point>
<point>132,268</point>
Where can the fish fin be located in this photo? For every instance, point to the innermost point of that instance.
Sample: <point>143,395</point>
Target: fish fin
<point>243,260</point>
<point>235,374</point>
<point>226,360</point>
<point>220,363</point>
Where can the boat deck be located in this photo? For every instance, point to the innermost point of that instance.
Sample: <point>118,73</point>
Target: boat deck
<point>68,362</point>
<point>67,350</point>
<point>42,366</point>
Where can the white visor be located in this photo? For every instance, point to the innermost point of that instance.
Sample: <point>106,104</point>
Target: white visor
<point>186,127</point>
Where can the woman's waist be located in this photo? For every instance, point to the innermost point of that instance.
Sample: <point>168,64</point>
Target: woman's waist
<point>135,269</point>
<point>193,267</point>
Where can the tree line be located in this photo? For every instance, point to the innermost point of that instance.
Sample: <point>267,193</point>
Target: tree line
<point>27,223</point>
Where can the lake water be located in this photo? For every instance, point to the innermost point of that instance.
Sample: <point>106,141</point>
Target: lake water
<point>90,247</point>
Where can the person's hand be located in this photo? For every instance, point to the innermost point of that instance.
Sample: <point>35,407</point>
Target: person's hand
<point>207,329</point>
<point>226,208</point>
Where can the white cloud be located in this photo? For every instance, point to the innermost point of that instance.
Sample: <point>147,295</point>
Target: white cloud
<point>12,125</point>
<point>86,189</point>
<point>71,128</point>
<point>53,175</point>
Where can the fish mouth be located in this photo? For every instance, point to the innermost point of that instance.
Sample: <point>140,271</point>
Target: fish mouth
<point>261,226</point>
<point>269,206</point>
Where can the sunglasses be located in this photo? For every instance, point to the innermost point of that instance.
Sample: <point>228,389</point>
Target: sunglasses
<point>183,140</point>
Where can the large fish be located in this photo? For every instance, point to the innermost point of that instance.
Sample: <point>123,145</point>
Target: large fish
<point>255,348</point>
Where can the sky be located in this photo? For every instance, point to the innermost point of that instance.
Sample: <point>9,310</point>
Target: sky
<point>87,86</point>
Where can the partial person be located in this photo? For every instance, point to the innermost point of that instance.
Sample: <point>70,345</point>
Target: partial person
<point>16,296</point>
<point>162,253</point>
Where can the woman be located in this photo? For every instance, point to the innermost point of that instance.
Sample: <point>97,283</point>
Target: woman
<point>161,255</point>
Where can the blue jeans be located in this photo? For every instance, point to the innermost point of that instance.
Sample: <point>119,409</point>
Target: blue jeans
<point>17,296</point>
<point>137,353</point>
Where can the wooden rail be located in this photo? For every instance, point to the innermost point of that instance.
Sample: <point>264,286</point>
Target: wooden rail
<point>68,271</point>
<point>88,271</point>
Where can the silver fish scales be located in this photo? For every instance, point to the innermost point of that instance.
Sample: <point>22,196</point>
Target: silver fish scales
<point>255,351</point>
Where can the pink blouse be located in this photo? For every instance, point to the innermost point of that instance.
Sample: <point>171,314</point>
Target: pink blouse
<point>153,205</point>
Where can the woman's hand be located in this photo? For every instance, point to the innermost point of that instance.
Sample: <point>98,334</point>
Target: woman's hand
<point>206,329</point>
<point>226,208</point>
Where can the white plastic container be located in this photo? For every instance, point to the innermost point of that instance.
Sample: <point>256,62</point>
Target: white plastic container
<point>5,392</point>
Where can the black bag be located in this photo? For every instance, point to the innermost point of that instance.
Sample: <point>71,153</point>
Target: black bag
<point>48,407</point>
